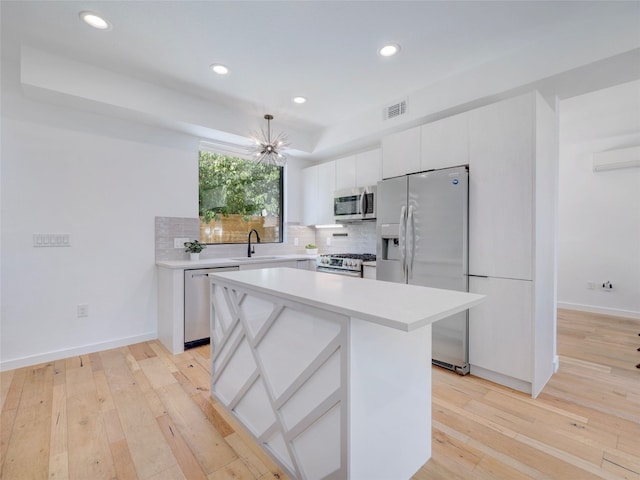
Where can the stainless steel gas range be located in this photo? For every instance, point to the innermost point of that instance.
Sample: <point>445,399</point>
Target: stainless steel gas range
<point>344,263</point>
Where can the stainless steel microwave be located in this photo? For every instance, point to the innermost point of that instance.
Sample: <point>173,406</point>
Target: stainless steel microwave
<point>355,204</point>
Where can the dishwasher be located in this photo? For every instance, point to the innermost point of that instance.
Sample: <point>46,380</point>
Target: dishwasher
<point>197,306</point>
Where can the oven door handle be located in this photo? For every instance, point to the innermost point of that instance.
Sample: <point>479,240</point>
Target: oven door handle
<point>337,271</point>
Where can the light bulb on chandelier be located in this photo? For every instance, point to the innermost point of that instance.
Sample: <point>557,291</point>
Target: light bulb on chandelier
<point>269,150</point>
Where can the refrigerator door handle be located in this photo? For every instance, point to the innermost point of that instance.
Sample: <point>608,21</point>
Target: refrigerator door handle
<point>411,227</point>
<point>402,239</point>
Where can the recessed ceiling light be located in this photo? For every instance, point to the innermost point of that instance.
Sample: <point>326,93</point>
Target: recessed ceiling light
<point>299,99</point>
<point>219,69</point>
<point>94,20</point>
<point>389,50</point>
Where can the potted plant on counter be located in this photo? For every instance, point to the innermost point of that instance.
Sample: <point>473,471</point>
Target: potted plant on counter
<point>311,249</point>
<point>194,248</point>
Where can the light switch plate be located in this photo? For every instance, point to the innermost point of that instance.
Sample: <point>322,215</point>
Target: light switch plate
<point>51,240</point>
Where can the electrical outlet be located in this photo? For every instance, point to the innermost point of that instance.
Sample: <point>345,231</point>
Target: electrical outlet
<point>328,241</point>
<point>83,310</point>
<point>179,242</point>
<point>591,285</point>
<point>296,242</point>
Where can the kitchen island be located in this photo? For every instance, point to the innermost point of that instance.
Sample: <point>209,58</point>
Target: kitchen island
<point>330,374</point>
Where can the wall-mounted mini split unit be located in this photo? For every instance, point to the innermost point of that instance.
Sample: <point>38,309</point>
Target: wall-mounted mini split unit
<point>396,110</point>
<point>616,159</point>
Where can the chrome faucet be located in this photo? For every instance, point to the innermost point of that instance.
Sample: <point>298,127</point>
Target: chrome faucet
<point>249,250</point>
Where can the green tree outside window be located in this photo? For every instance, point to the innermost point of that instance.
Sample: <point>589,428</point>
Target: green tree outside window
<point>236,195</point>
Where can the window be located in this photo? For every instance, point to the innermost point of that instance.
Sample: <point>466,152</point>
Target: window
<point>236,196</point>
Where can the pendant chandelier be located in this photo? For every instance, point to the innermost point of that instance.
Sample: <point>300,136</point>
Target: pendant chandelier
<point>269,150</point>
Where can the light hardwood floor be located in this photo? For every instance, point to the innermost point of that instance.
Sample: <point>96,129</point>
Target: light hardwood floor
<point>138,412</point>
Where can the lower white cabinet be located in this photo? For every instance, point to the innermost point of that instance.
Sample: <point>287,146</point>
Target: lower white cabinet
<point>306,264</point>
<point>171,298</point>
<point>500,331</point>
<point>369,271</point>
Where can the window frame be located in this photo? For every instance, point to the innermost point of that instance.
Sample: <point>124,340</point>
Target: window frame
<point>243,157</point>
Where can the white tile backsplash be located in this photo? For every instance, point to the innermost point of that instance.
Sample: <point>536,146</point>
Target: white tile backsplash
<point>360,238</point>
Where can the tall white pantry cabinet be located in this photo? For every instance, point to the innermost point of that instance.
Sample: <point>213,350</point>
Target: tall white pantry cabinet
<point>510,147</point>
<point>512,203</point>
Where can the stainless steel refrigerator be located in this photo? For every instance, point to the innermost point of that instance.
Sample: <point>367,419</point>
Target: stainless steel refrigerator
<point>422,238</point>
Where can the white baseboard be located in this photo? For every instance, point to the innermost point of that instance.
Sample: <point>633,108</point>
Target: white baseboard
<point>556,363</point>
<point>72,352</point>
<point>602,310</point>
<point>499,378</point>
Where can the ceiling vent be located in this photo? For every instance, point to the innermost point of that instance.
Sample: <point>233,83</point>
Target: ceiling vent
<point>396,110</point>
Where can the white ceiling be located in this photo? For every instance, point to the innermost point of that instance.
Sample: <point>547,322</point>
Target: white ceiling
<point>325,50</point>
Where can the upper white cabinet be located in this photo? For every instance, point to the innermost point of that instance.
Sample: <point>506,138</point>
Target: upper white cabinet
<point>319,185</point>
<point>445,143</point>
<point>368,168</point>
<point>346,172</point>
<point>360,170</point>
<point>310,195</point>
<point>326,188</point>
<point>401,153</point>
<point>501,185</point>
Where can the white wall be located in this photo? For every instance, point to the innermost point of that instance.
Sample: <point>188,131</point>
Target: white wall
<point>103,180</point>
<point>599,213</point>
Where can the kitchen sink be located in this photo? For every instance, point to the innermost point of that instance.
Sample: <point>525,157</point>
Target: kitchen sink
<point>255,258</point>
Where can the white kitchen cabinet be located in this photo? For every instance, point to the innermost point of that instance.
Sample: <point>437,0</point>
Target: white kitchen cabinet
<point>319,185</point>
<point>326,189</point>
<point>306,264</point>
<point>171,294</point>
<point>369,270</point>
<point>501,182</point>
<point>445,143</point>
<point>512,200</point>
<point>401,153</point>
<point>368,168</point>
<point>346,172</point>
<point>359,170</point>
<point>310,195</point>
<point>500,331</point>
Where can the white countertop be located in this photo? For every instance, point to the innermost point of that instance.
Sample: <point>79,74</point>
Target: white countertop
<point>395,305</point>
<point>229,262</point>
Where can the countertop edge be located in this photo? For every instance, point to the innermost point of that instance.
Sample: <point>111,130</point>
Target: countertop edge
<point>228,262</point>
<point>383,321</point>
